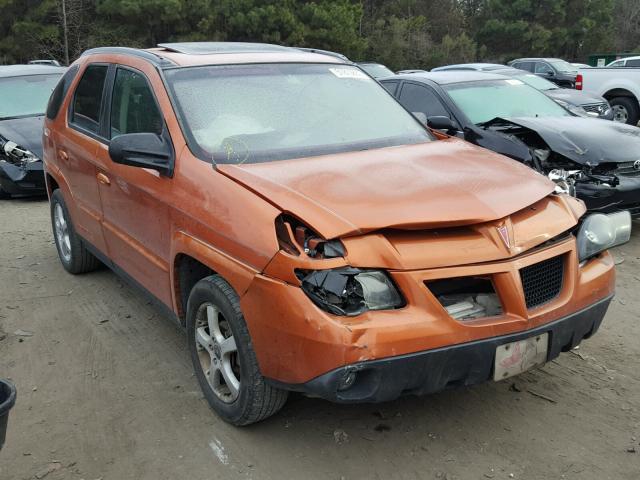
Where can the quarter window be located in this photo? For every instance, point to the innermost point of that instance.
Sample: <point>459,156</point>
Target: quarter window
<point>88,98</point>
<point>133,107</point>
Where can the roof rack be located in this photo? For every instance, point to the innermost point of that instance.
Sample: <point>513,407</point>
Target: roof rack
<point>208,48</point>
<point>151,57</point>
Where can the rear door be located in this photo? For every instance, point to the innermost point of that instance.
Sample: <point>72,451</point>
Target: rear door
<point>136,216</point>
<point>76,148</point>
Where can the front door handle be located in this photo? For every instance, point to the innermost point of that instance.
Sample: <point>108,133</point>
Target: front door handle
<point>62,155</point>
<point>103,179</point>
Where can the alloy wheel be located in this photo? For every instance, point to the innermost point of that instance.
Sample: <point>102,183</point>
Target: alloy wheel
<point>217,352</point>
<point>62,232</point>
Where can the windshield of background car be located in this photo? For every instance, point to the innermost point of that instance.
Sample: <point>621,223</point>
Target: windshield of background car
<point>537,82</point>
<point>376,70</point>
<point>265,112</point>
<point>26,96</point>
<point>484,101</point>
<point>562,66</point>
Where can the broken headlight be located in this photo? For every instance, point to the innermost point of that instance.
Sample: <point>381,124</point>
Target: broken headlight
<point>350,291</point>
<point>599,232</point>
<point>15,153</point>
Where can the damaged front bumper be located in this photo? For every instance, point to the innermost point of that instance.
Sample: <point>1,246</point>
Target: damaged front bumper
<point>435,370</point>
<point>26,179</point>
<point>605,198</point>
<point>303,348</point>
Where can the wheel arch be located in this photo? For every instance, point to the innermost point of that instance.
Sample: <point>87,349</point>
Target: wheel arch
<point>194,260</point>
<point>619,92</point>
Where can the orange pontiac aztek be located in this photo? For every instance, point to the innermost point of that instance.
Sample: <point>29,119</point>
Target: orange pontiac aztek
<point>308,232</point>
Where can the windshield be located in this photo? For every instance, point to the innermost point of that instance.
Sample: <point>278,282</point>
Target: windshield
<point>26,96</point>
<point>562,66</point>
<point>484,101</point>
<point>376,70</point>
<point>257,113</point>
<point>537,82</point>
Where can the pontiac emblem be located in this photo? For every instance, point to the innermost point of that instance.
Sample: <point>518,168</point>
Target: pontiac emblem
<point>636,165</point>
<point>504,235</point>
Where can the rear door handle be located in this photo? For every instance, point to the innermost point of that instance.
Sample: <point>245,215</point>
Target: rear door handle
<point>103,179</point>
<point>62,155</point>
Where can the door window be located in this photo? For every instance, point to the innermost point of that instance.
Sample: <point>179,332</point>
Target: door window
<point>133,106</point>
<point>633,63</point>
<point>390,86</point>
<point>87,101</point>
<point>543,68</point>
<point>418,98</point>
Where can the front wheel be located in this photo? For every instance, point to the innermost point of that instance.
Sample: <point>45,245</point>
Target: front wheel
<point>625,110</point>
<point>223,358</point>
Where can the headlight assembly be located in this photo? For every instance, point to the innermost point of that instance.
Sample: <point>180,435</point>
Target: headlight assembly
<point>351,291</point>
<point>599,232</point>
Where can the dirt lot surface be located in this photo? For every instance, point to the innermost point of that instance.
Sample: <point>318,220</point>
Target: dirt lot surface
<point>106,391</point>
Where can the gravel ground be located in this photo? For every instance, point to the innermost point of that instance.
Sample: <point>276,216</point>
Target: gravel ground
<point>106,391</point>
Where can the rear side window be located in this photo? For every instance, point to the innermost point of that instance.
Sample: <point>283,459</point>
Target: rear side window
<point>417,98</point>
<point>60,92</point>
<point>87,101</point>
<point>528,66</point>
<point>133,106</point>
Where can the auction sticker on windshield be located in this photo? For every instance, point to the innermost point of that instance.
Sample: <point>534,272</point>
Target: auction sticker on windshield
<point>353,73</point>
<point>517,357</point>
<point>513,81</point>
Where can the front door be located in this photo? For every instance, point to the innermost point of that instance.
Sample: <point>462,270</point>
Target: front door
<point>136,217</point>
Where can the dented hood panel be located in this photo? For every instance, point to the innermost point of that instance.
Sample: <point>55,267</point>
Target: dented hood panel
<point>441,183</point>
<point>587,141</point>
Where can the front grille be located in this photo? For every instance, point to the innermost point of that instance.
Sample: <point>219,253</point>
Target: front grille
<point>628,169</point>
<point>542,281</point>
<point>598,108</point>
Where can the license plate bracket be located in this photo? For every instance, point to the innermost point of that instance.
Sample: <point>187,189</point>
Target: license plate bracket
<point>517,357</point>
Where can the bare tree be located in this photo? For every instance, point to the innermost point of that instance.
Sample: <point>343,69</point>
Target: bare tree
<point>627,24</point>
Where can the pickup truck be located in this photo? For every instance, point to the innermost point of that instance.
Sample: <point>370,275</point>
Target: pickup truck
<point>620,86</point>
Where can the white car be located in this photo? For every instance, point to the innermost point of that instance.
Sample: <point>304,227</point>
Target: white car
<point>625,62</point>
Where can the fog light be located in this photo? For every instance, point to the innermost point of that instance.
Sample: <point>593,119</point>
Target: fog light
<point>347,380</point>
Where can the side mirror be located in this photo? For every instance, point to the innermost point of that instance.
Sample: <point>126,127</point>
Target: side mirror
<point>440,122</point>
<point>549,73</point>
<point>144,150</point>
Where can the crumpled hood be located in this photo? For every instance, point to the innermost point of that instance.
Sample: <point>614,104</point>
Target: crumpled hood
<point>436,184</point>
<point>587,141</point>
<point>26,132</point>
<point>574,97</point>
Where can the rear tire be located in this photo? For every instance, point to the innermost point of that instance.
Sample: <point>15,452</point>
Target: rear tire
<point>74,256</point>
<point>223,357</point>
<point>625,110</point>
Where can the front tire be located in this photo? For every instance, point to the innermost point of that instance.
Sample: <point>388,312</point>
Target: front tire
<point>223,358</point>
<point>625,110</point>
<point>74,256</point>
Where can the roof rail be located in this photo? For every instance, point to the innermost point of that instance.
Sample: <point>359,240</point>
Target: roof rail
<point>324,52</point>
<point>149,56</point>
<point>210,48</point>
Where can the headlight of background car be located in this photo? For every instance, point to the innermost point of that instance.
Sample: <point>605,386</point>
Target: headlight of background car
<point>599,232</point>
<point>579,111</point>
<point>350,291</point>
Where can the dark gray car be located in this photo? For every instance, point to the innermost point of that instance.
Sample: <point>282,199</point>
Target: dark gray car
<point>580,103</point>
<point>559,71</point>
<point>24,92</point>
